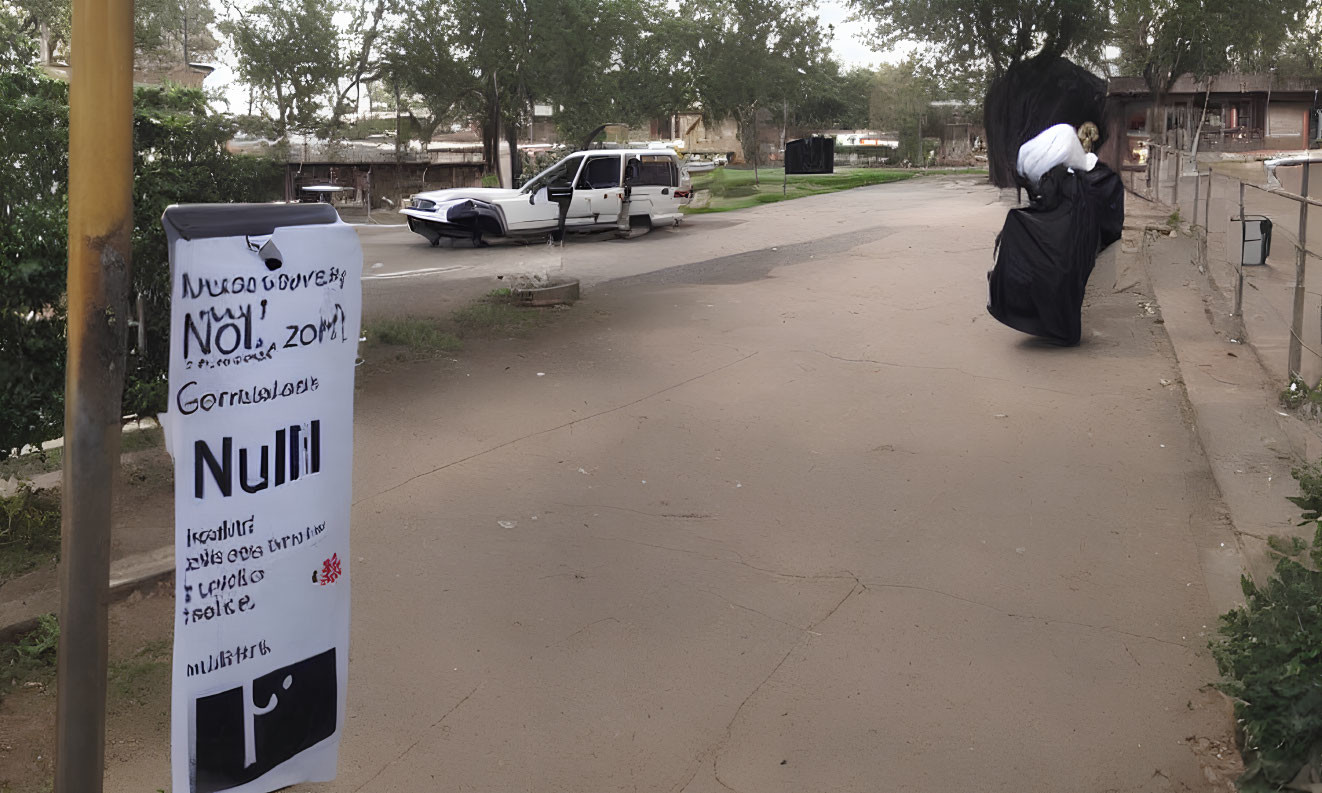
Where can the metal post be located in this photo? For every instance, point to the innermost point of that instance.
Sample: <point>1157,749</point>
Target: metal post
<point>100,224</point>
<point>1193,220</point>
<point>1197,192</point>
<point>1179,167</point>
<point>1154,190</point>
<point>1301,259</point>
<point>1207,205</point>
<point>1239,280</point>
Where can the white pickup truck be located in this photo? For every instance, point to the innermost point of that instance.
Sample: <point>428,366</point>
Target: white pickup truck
<point>604,189</point>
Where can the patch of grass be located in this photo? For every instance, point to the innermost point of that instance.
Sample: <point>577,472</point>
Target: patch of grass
<point>29,531</point>
<point>30,657</point>
<point>498,317</point>
<point>1174,220</point>
<point>731,189</point>
<point>133,679</point>
<point>26,466</point>
<point>421,336</point>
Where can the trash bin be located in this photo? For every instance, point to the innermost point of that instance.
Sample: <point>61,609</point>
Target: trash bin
<point>1256,240</point>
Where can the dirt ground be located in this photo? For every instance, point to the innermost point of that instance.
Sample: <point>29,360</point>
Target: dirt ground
<point>142,519</point>
<point>138,701</point>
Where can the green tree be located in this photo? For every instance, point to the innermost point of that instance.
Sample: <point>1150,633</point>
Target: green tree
<point>165,32</point>
<point>980,39</point>
<point>359,59</point>
<point>901,96</point>
<point>420,67</point>
<point>750,56</point>
<point>1164,39</point>
<point>34,114</point>
<point>179,157</point>
<point>1301,56</point>
<point>169,32</point>
<point>651,78</point>
<point>288,51</point>
<point>832,99</point>
<point>48,24</point>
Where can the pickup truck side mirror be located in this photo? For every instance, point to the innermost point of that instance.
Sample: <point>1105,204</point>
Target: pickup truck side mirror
<point>561,194</point>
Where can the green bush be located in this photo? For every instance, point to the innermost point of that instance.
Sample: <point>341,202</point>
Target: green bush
<point>29,530</point>
<point>33,256</point>
<point>179,157</point>
<point>1270,657</point>
<point>30,656</point>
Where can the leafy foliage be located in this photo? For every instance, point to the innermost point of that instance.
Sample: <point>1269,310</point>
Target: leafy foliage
<point>750,55</point>
<point>983,38</point>
<point>30,656</point>
<point>179,157</point>
<point>165,32</point>
<point>173,31</point>
<point>900,101</point>
<point>1270,657</point>
<point>1309,477</point>
<point>33,256</point>
<point>29,530</point>
<point>1165,39</point>
<point>835,99</point>
<point>288,50</point>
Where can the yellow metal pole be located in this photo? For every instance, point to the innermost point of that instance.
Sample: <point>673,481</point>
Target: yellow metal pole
<point>100,222</point>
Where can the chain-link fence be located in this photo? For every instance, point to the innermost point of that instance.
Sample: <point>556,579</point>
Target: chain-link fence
<point>1253,239</point>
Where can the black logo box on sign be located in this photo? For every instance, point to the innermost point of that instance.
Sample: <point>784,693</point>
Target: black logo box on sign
<point>291,710</point>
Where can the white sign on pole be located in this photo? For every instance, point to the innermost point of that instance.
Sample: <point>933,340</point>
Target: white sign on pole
<point>264,326</point>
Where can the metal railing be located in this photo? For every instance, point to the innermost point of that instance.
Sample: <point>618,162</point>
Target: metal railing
<point>1216,200</point>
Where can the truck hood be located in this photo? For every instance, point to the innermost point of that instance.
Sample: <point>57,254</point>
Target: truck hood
<point>460,193</point>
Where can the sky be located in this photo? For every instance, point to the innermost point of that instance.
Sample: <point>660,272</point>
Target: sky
<point>848,47</point>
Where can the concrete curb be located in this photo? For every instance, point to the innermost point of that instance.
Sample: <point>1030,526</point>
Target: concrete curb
<point>127,575</point>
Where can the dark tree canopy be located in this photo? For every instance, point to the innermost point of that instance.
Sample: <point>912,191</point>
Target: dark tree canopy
<point>1163,40</point>
<point>986,37</point>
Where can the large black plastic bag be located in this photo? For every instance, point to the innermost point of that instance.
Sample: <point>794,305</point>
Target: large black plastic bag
<point>1107,194</point>
<point>1044,255</point>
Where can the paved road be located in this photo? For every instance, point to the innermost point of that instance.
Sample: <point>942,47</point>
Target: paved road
<point>792,514</point>
<point>404,275</point>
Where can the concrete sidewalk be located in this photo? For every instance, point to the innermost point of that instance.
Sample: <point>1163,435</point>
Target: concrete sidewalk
<point>1233,371</point>
<point>801,519</point>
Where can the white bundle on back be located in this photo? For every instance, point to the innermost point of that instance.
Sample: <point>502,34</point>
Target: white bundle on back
<point>1053,146</point>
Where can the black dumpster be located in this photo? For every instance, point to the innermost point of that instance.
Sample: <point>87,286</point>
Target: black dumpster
<point>810,155</point>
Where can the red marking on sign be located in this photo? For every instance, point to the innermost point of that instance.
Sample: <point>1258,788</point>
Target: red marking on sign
<point>330,570</point>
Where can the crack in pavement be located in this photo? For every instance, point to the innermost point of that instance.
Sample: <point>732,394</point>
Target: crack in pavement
<point>1046,620</point>
<point>549,430</point>
<point>733,604</point>
<point>580,630</point>
<point>858,585</point>
<point>414,745</point>
<point>810,630</point>
<point>668,515</point>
